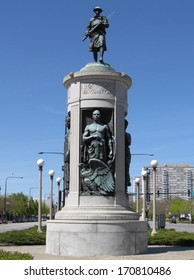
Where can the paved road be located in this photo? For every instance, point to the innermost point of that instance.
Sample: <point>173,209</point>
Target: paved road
<point>180,227</point>
<point>18,226</point>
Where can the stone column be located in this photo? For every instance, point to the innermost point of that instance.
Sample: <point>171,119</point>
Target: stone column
<point>97,86</point>
<point>91,223</point>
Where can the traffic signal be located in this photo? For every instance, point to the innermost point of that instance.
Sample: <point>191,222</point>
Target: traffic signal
<point>189,192</point>
<point>148,197</point>
<point>158,193</point>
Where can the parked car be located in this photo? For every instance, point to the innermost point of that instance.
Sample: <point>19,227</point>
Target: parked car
<point>172,220</point>
<point>183,219</point>
<point>3,221</point>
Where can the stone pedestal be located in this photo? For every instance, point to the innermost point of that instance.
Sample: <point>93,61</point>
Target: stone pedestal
<point>91,223</point>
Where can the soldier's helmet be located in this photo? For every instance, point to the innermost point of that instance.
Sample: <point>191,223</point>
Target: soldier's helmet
<point>97,9</point>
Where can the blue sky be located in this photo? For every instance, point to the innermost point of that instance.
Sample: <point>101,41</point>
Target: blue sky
<point>41,42</point>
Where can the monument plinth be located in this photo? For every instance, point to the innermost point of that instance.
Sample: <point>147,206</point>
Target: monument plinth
<point>96,219</point>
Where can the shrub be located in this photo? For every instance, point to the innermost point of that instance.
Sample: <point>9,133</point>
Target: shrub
<point>24,237</point>
<point>171,237</point>
<point>4,255</point>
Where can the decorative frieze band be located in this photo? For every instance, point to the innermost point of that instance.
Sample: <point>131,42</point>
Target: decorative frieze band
<point>98,88</point>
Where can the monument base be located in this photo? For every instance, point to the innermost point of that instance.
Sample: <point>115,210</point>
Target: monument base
<point>102,231</point>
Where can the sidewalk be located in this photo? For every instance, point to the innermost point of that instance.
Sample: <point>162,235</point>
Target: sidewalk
<point>153,253</point>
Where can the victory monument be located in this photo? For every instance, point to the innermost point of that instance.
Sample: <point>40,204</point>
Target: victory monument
<point>96,220</point>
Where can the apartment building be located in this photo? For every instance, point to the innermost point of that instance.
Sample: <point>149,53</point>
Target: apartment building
<point>173,180</point>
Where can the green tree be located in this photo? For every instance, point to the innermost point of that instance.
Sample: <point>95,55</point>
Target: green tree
<point>179,206</point>
<point>1,205</point>
<point>45,209</point>
<point>175,206</point>
<point>32,208</point>
<point>17,204</point>
<point>187,207</point>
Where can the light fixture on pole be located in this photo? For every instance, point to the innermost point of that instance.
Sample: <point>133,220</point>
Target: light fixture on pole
<point>143,154</point>
<point>51,174</point>
<point>63,169</point>
<point>144,175</point>
<point>137,196</point>
<point>5,197</point>
<point>52,153</point>
<point>40,163</point>
<point>154,165</point>
<point>58,193</point>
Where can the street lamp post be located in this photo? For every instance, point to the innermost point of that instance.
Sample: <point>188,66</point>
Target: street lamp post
<point>59,153</point>
<point>137,196</point>
<point>154,165</point>
<point>144,175</point>
<point>51,173</point>
<point>40,163</point>
<point>58,193</point>
<point>30,191</point>
<point>30,196</point>
<point>5,197</point>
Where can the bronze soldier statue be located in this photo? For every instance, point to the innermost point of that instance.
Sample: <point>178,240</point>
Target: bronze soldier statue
<point>97,34</point>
